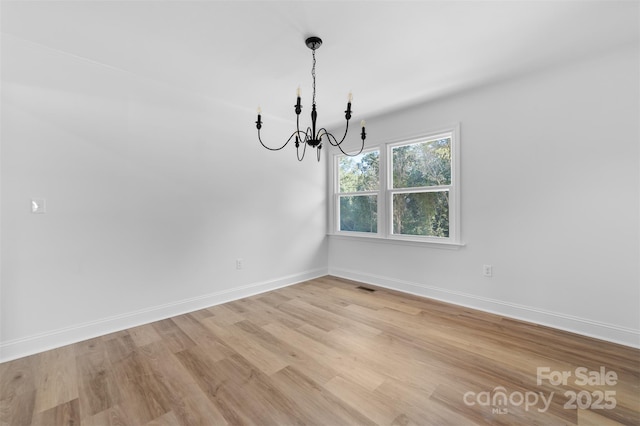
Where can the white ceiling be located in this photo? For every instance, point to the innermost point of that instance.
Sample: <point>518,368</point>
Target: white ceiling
<point>390,54</point>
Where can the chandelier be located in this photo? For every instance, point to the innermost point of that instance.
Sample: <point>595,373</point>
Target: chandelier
<point>313,136</point>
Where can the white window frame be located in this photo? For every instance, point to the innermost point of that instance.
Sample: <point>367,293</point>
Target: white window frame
<point>336,194</point>
<point>386,191</point>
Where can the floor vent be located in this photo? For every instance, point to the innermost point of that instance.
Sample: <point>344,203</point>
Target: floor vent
<point>370,290</point>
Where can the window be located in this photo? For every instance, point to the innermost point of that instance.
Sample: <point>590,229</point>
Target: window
<point>420,185</point>
<point>403,190</point>
<point>358,189</point>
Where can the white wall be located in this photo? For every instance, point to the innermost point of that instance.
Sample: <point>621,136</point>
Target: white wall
<point>147,207</point>
<point>550,198</point>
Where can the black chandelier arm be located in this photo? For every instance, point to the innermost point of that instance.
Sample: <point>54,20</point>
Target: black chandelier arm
<point>339,144</point>
<point>304,150</point>
<point>346,130</point>
<point>302,141</point>
<point>275,149</point>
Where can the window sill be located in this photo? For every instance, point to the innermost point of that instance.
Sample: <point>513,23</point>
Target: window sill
<point>443,245</point>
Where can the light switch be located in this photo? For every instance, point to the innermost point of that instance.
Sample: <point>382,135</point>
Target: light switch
<point>38,205</point>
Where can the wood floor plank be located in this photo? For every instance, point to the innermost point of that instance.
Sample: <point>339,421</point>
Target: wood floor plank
<point>118,346</point>
<point>309,313</point>
<point>268,404</point>
<point>144,334</point>
<point>214,383</point>
<point>188,404</point>
<point>272,298</point>
<point>376,408</point>
<point>323,352</point>
<point>393,363</point>
<point>66,414</point>
<point>201,314</point>
<point>96,381</point>
<point>18,409</point>
<point>260,357</point>
<point>172,336</point>
<point>267,310</point>
<point>167,419</point>
<point>196,331</point>
<point>413,400</point>
<point>144,397</point>
<point>285,351</point>
<point>224,315</point>
<point>56,378</point>
<point>591,418</point>
<point>17,377</point>
<point>315,401</point>
<point>261,313</point>
<point>114,416</point>
<point>343,363</point>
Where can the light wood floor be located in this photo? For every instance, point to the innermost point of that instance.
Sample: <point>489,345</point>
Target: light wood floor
<point>324,352</point>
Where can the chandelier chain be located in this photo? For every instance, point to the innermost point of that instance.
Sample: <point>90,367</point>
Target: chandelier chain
<point>313,74</point>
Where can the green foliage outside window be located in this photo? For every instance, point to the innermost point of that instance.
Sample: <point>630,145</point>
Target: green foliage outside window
<point>421,213</point>
<point>360,173</point>
<point>359,213</point>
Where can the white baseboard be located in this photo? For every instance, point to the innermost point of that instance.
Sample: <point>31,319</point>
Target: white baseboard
<point>30,345</point>
<point>599,330</point>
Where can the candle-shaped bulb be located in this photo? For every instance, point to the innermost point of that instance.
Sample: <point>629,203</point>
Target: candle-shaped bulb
<point>298,92</point>
<point>259,110</point>
<point>362,123</point>
<point>350,97</point>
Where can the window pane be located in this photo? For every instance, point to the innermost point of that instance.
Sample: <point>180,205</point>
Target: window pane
<point>359,173</point>
<point>421,213</point>
<point>422,164</point>
<point>359,213</point>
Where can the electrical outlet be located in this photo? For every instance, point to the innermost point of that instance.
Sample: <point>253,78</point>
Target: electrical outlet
<point>487,270</point>
<point>239,263</point>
